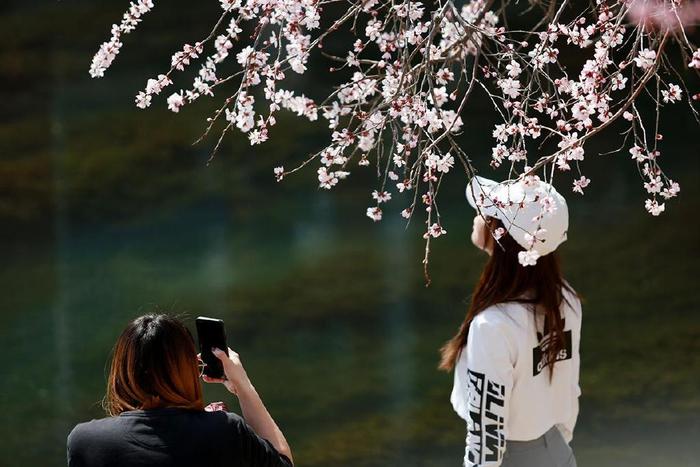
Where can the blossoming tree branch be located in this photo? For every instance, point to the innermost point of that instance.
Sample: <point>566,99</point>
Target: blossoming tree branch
<point>414,69</point>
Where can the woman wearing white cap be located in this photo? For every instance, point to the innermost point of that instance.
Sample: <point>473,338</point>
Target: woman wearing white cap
<point>516,355</point>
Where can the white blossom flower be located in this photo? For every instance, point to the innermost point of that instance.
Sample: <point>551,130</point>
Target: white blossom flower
<point>654,207</point>
<point>229,4</point>
<point>257,136</point>
<point>143,100</point>
<point>431,160</point>
<point>279,173</point>
<point>381,196</point>
<point>528,258</point>
<point>326,179</point>
<point>451,120</point>
<point>374,213</point>
<point>645,58</point>
<point>510,87</point>
<point>373,29</point>
<point>654,185</point>
<point>514,69</point>
<point>155,86</point>
<point>672,94</point>
<point>403,186</point>
<point>695,61</point>
<point>618,82</point>
<point>672,190</point>
<point>435,231</point>
<point>499,132</point>
<point>580,184</point>
<point>105,56</point>
<point>444,164</point>
<point>181,59</point>
<point>222,44</point>
<point>440,94</point>
<point>444,75</point>
<point>498,154</point>
<point>637,153</point>
<point>352,59</point>
<point>176,101</point>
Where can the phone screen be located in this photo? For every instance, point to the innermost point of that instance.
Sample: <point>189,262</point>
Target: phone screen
<point>211,333</point>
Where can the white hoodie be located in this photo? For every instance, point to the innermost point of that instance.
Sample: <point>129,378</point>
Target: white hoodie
<point>501,381</point>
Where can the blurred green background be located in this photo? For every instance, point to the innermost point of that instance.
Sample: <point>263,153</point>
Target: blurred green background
<point>109,212</point>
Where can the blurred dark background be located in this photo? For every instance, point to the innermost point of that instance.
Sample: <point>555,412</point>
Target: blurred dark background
<point>109,212</point>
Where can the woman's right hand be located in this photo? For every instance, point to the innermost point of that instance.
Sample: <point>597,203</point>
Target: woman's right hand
<point>236,376</point>
<point>252,407</point>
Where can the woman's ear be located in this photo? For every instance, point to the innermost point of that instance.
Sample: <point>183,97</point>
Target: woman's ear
<point>489,231</point>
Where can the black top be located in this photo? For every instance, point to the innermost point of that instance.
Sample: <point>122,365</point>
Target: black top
<point>170,436</point>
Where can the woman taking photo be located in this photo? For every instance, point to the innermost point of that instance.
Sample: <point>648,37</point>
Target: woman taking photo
<point>516,354</point>
<point>156,411</point>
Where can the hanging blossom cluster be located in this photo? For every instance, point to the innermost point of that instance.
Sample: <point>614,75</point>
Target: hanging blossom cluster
<point>109,50</point>
<point>410,72</point>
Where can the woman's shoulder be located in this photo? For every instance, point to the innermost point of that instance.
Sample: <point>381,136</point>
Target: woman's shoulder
<point>88,432</point>
<point>231,418</point>
<point>500,315</point>
<point>503,320</point>
<point>222,417</point>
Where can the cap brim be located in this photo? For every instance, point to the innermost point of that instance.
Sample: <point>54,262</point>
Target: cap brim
<point>478,186</point>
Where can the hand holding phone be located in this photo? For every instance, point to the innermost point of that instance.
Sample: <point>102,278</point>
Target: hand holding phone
<point>236,379</point>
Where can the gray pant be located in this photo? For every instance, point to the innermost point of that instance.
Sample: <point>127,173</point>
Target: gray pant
<point>549,450</point>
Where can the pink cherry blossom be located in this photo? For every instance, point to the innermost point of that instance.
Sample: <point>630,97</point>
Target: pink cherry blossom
<point>435,231</point>
<point>654,207</point>
<point>528,258</point>
<point>695,62</point>
<point>374,213</point>
<point>409,74</point>
<point>381,196</point>
<point>580,184</point>
<point>645,59</point>
<point>672,94</point>
<point>638,154</point>
<point>176,101</point>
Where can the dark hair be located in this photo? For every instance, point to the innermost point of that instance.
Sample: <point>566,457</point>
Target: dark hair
<point>503,279</point>
<point>154,364</point>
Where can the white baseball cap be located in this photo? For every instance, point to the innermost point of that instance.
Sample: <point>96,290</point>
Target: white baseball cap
<point>532,211</point>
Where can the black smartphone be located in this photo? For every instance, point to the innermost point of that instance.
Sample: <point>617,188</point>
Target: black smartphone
<point>211,333</point>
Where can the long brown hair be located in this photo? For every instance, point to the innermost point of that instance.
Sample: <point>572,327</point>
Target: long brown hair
<point>503,279</point>
<point>154,364</point>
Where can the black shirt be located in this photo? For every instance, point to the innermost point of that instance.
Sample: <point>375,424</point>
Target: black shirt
<point>170,436</point>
